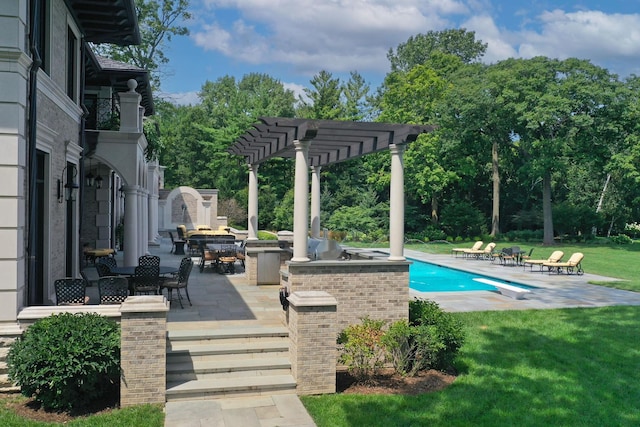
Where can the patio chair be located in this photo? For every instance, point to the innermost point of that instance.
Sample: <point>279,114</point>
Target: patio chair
<point>103,270</point>
<point>227,258</point>
<point>108,261</point>
<point>206,256</point>
<point>174,241</point>
<point>146,279</point>
<point>476,247</point>
<point>71,291</point>
<point>240,253</point>
<point>180,281</point>
<point>182,232</point>
<point>573,263</point>
<point>149,260</point>
<point>86,278</point>
<point>113,289</point>
<point>556,256</point>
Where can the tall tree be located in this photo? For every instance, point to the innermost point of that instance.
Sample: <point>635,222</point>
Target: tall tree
<point>418,49</point>
<point>324,99</point>
<point>159,21</point>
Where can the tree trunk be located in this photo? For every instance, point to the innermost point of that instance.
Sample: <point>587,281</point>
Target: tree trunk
<point>546,209</point>
<point>495,215</point>
<point>434,209</point>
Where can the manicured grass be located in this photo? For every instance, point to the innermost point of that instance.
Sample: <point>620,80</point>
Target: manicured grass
<point>569,367</point>
<point>139,416</point>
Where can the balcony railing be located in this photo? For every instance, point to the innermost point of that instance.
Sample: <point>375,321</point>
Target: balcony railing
<point>104,113</point>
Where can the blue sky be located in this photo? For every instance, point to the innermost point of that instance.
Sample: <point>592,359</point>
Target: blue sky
<point>292,40</point>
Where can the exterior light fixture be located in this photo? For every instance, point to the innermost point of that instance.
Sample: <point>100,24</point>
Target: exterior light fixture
<point>98,181</point>
<point>89,178</point>
<point>67,185</point>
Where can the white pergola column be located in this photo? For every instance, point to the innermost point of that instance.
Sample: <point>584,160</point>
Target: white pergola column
<point>301,202</point>
<point>396,204</point>
<point>130,225</point>
<point>153,219</point>
<point>252,225</point>
<point>315,201</point>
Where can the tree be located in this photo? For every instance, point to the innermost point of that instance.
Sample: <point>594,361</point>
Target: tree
<point>555,105</point>
<point>418,49</point>
<point>158,23</point>
<point>325,99</point>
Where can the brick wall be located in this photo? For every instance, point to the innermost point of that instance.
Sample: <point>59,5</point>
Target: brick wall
<point>378,289</point>
<point>312,341</point>
<point>144,350</point>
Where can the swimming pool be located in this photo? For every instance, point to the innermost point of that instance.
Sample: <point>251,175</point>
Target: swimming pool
<point>427,277</point>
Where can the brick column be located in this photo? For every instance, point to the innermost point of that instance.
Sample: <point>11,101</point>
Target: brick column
<point>312,341</point>
<point>143,350</point>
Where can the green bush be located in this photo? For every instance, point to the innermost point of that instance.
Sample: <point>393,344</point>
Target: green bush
<point>66,361</point>
<point>621,239</point>
<point>448,329</point>
<point>412,349</point>
<point>362,352</point>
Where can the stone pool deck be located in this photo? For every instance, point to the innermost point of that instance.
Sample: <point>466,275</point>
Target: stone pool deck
<point>552,290</point>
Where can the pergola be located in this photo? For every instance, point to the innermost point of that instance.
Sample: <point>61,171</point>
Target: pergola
<point>316,143</point>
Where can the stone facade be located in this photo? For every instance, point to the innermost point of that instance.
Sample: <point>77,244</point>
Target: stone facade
<point>377,289</point>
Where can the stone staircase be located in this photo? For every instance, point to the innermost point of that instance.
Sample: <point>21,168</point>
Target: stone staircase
<point>8,334</point>
<point>228,362</point>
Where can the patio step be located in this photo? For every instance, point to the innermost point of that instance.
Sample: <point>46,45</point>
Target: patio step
<point>228,362</point>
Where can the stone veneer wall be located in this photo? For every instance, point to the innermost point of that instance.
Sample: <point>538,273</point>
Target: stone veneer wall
<point>378,289</point>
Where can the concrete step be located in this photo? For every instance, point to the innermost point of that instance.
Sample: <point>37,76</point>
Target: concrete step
<point>227,334</point>
<point>6,386</point>
<point>189,349</point>
<point>3,367</point>
<point>229,367</point>
<point>230,387</point>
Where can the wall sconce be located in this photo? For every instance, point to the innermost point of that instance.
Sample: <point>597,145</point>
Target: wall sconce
<point>89,178</point>
<point>98,181</point>
<point>67,184</point>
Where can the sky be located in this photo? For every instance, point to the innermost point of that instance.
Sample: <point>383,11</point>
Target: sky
<point>293,40</point>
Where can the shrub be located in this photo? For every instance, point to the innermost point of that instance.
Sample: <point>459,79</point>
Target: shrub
<point>621,239</point>
<point>412,348</point>
<point>362,351</point>
<point>66,361</point>
<point>448,329</point>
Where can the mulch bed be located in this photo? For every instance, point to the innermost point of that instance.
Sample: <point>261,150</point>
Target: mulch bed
<point>388,382</point>
<point>32,410</point>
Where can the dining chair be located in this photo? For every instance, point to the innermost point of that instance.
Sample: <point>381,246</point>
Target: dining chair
<point>146,279</point>
<point>108,261</point>
<point>149,260</point>
<point>180,281</point>
<point>113,289</point>
<point>71,291</point>
<point>227,257</point>
<point>103,270</point>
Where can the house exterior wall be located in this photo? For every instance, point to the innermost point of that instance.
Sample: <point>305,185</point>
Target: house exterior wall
<point>57,135</point>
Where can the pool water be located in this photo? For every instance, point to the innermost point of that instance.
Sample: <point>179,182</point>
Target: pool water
<point>427,277</point>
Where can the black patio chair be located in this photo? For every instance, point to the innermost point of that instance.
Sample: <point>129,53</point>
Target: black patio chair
<point>149,260</point>
<point>146,279</point>
<point>103,270</point>
<point>70,291</point>
<point>180,281</point>
<point>113,289</point>
<point>108,261</point>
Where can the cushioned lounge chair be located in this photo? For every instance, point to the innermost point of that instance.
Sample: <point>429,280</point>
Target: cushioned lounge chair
<point>571,265</point>
<point>556,256</point>
<point>481,254</point>
<point>476,247</point>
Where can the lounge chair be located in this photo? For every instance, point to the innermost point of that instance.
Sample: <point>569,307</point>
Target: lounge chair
<point>556,256</point>
<point>484,253</point>
<point>573,263</point>
<point>476,247</point>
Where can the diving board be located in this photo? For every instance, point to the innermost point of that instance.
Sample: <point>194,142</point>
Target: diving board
<point>508,290</point>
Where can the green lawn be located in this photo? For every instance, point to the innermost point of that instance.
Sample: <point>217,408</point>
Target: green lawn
<point>139,416</point>
<point>569,367</point>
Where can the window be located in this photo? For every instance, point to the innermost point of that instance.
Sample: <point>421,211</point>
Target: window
<point>42,28</point>
<point>72,64</point>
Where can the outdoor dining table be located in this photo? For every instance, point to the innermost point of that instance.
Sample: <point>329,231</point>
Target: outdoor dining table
<point>131,270</point>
